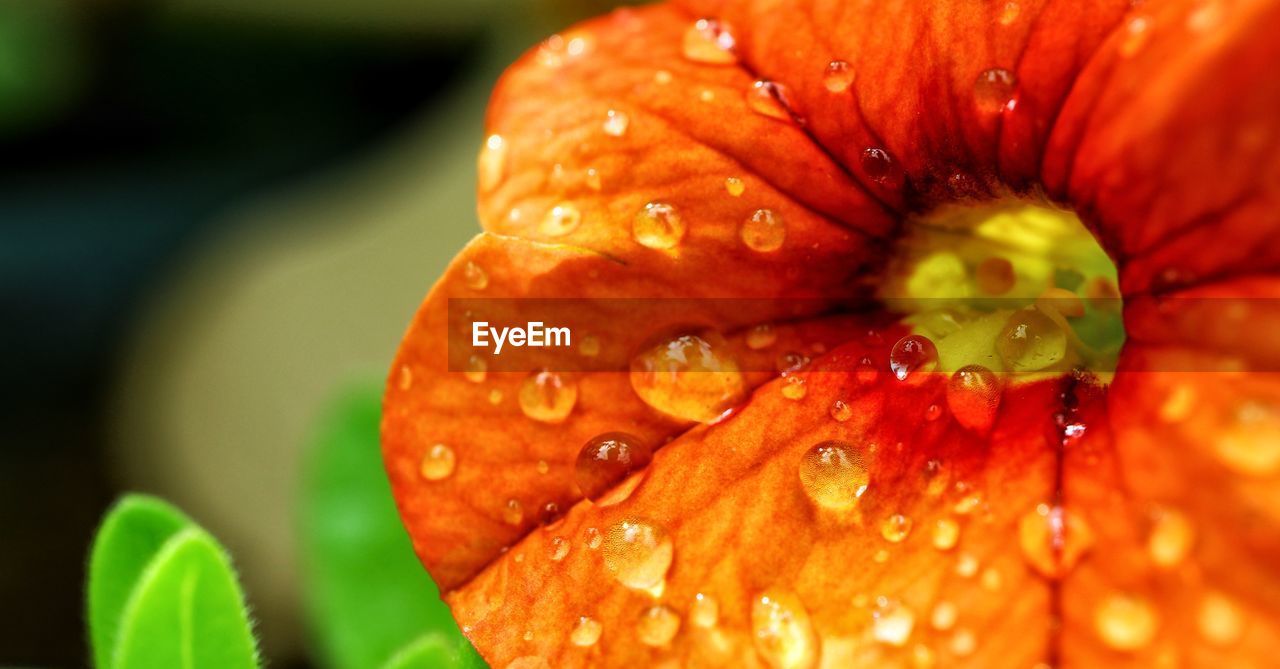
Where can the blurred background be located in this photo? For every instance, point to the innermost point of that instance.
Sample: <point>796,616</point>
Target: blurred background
<point>215,215</point>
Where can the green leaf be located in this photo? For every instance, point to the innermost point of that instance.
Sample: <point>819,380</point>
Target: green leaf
<point>186,611</point>
<point>133,532</point>
<point>435,651</point>
<point>367,594</point>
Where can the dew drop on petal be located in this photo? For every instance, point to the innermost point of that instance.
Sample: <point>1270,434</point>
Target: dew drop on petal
<point>1219,619</point>
<point>1170,539</point>
<point>560,220</point>
<point>691,376</point>
<point>658,226</point>
<point>895,528</point>
<point>966,565</point>
<point>993,91</point>
<point>973,396</point>
<point>995,276</point>
<point>592,538</point>
<point>477,369</point>
<point>791,361</point>
<point>893,622</point>
<point>768,98</point>
<point>492,163</point>
<point>592,179</point>
<point>944,616</point>
<point>608,459</point>
<point>838,76</point>
<point>657,626</point>
<point>638,553</point>
<point>548,397</point>
<point>1031,341</point>
<point>513,512</point>
<point>1053,539</point>
<point>1136,33</point>
<point>495,397</point>
<point>841,411</point>
<point>761,336</point>
<point>616,123</point>
<point>866,373</point>
<point>1124,622</point>
<point>946,532</point>
<point>764,231</point>
<point>405,380</point>
<point>1009,13</point>
<point>735,186</point>
<point>708,41</point>
<point>704,611</point>
<point>834,475</point>
<point>794,388</point>
<point>586,633</point>
<point>1249,440</point>
<point>876,163</point>
<point>963,642</point>
<point>437,463</point>
<point>474,276</point>
<point>662,77</point>
<point>912,358</point>
<point>558,548</point>
<point>782,631</point>
<point>529,662</point>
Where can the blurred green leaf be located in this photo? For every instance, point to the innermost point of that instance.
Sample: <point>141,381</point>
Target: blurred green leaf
<point>367,594</point>
<point>436,651</point>
<point>186,611</point>
<point>132,533</point>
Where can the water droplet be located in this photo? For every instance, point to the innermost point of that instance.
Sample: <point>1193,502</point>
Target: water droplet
<point>560,220</point>
<point>880,556</point>
<point>791,361</point>
<point>932,412</point>
<point>912,358</point>
<point>793,388</point>
<point>922,657</point>
<point>616,122</point>
<point>543,467</point>
<point>895,528</point>
<point>834,475</point>
<point>658,626</point>
<point>944,616</point>
<point>877,164</point>
<point>638,553</point>
<point>1206,17</point>
<point>1135,37</point>
<point>991,579</point>
<point>840,411</point>
<point>782,632</point>
<point>966,565</point>
<point>993,91</point>
<point>1053,539</point>
<point>492,163</point>
<point>708,41</point>
<point>1249,442</point>
<point>437,463</point>
<point>866,372</point>
<point>549,516</point>
<point>693,377</point>
<point>768,98</point>
<point>704,611</point>
<point>838,76</point>
<point>1178,404</point>
<point>592,538</point>
<point>735,186</point>
<point>608,459</point>
<point>1010,13</point>
<point>893,622</point>
<point>495,396</point>
<point>592,179</point>
<point>474,276</point>
<point>1031,341</point>
<point>1170,539</point>
<point>946,532</point>
<point>764,231</point>
<point>963,643</point>
<point>558,548</point>
<point>995,276</point>
<point>548,397</point>
<point>1220,620</point>
<point>1125,622</point>
<point>761,336</point>
<point>405,380</point>
<point>529,662</point>
<point>513,512</point>
<point>586,633</point>
<point>658,226</point>
<point>662,77</point>
<point>973,396</point>
<point>476,369</point>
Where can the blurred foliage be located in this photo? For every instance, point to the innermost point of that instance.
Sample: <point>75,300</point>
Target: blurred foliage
<point>40,61</point>
<point>162,594</point>
<point>367,595</point>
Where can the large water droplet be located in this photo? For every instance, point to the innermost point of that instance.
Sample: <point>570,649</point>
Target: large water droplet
<point>782,632</point>
<point>973,395</point>
<point>548,397</point>
<point>657,626</point>
<point>893,622</point>
<point>764,231</point>
<point>912,358</point>
<point>709,41</point>
<point>606,460</point>
<point>877,164</point>
<point>841,411</point>
<point>586,633</point>
<point>768,98</point>
<point>690,376</point>
<point>794,387</point>
<point>560,220</point>
<point>838,76</point>
<point>658,226</point>
<point>993,90</point>
<point>638,553</point>
<point>1125,622</point>
<point>1031,341</point>
<point>1053,539</point>
<point>437,463</point>
<point>834,475</point>
<point>492,163</point>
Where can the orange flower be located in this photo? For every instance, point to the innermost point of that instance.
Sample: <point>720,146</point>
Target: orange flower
<point>847,515</point>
